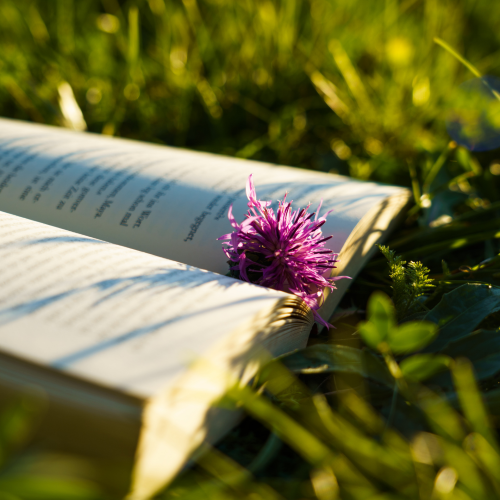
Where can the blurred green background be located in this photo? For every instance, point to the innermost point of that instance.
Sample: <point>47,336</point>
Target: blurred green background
<point>354,87</point>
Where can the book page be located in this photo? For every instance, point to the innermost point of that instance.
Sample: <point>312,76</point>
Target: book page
<point>118,317</point>
<point>165,201</point>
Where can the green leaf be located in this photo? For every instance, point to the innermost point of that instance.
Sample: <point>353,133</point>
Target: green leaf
<point>381,319</point>
<point>411,337</point>
<point>381,313</point>
<point>370,334</point>
<point>327,358</point>
<point>460,311</point>
<point>422,366</point>
<point>482,348</point>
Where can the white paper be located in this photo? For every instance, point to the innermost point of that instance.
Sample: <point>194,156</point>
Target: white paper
<point>115,316</point>
<point>165,201</point>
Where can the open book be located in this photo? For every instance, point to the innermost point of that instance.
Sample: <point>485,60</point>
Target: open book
<point>114,297</point>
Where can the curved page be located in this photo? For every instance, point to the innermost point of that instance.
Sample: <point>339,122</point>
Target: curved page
<point>164,201</point>
<point>118,317</point>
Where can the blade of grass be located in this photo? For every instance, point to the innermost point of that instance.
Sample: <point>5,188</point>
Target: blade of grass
<point>329,92</point>
<point>436,167</point>
<point>442,418</point>
<point>467,64</point>
<point>234,475</point>
<point>455,54</point>
<point>133,39</point>
<point>351,76</point>
<point>414,182</point>
<point>295,435</point>
<point>486,456</point>
<point>470,399</point>
<point>452,244</point>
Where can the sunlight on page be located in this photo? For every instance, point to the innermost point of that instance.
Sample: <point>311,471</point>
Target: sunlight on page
<point>161,200</point>
<point>112,315</point>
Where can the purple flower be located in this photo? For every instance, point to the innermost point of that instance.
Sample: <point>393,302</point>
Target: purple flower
<point>285,251</point>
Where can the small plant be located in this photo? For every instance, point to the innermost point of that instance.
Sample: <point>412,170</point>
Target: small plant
<point>409,283</point>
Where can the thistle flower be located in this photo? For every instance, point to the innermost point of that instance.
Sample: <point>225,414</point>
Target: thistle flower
<point>285,251</point>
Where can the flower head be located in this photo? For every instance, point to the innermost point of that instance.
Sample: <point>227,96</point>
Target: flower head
<point>285,251</point>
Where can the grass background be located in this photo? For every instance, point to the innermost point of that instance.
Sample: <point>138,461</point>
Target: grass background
<point>347,86</point>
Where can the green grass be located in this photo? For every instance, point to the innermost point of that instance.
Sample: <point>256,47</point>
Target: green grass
<point>255,79</point>
<point>352,87</point>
